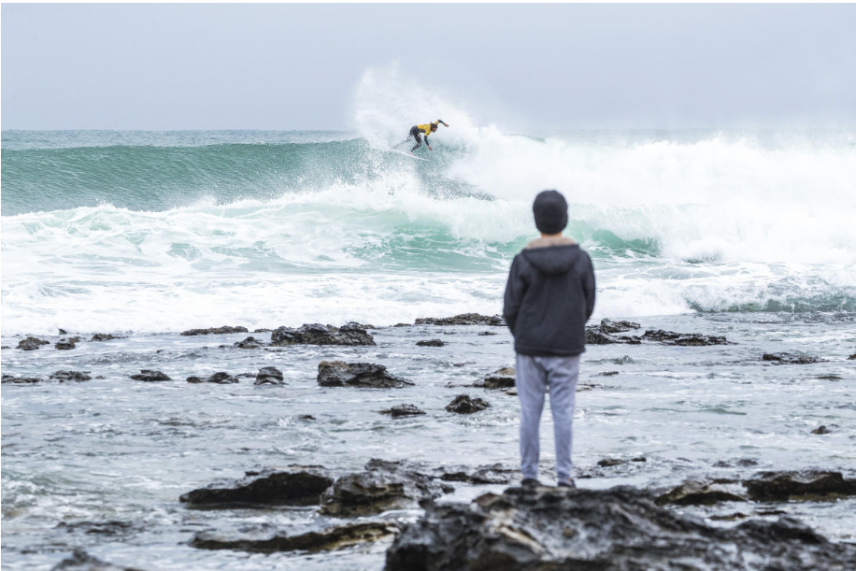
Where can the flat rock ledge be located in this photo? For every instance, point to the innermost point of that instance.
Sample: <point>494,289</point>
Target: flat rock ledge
<point>82,561</point>
<point>317,334</point>
<point>790,359</point>
<point>606,333</point>
<point>463,319</point>
<point>403,410</point>
<point>220,378</point>
<point>365,375</point>
<point>430,343</point>
<point>620,529</point>
<point>299,486</point>
<point>335,538</point>
<point>224,330</point>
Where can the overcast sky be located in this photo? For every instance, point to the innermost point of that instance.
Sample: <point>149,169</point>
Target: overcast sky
<point>210,66</point>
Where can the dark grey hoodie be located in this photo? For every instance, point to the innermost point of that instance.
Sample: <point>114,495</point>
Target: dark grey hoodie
<point>549,297</point>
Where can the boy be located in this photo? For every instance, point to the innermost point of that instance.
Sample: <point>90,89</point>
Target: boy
<point>548,299</point>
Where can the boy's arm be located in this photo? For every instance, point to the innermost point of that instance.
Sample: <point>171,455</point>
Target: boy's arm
<point>514,290</point>
<point>588,287</point>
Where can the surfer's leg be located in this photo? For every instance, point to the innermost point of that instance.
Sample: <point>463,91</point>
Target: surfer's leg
<point>418,137</point>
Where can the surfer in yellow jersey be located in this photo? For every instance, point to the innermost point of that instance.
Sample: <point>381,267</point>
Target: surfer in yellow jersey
<point>418,130</point>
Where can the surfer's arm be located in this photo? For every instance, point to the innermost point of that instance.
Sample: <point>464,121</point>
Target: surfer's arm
<point>443,122</point>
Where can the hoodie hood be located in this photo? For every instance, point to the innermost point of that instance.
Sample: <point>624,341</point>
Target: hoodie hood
<point>551,256</point>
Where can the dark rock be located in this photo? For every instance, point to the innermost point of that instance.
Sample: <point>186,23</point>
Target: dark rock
<point>699,493</point>
<point>463,404</point>
<point>31,343</point>
<point>64,344</point>
<point>483,475</point>
<point>501,379</point>
<point>297,487</point>
<point>217,378</point>
<point>367,375</point>
<point>619,529</point>
<point>306,417</point>
<point>262,330</point>
<point>150,376</point>
<point>487,333</point>
<point>430,343</point>
<point>63,332</point>
<point>852,357</point>
<point>790,359</point>
<point>82,561</point>
<point>5,347</point>
<point>611,327</point>
<point>683,339</point>
<point>103,337</point>
<point>330,539</point>
<point>107,528</point>
<point>249,343</point>
<point>70,376</point>
<point>403,325</point>
<point>317,334</point>
<point>596,336</point>
<point>802,485</point>
<point>269,376</point>
<point>403,410</point>
<point>610,462</point>
<point>382,486</point>
<point>463,319</point>
<point>215,331</point>
<point>9,379</point>
<point>829,378</point>
<point>607,373</point>
<point>821,430</point>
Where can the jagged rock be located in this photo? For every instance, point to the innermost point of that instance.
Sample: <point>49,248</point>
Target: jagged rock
<point>790,359</point>
<point>63,331</point>
<point>852,357</point>
<point>150,376</point>
<point>367,375</point>
<point>501,379</point>
<point>301,486</point>
<point>430,343</point>
<point>103,337</point>
<point>65,344</point>
<point>684,339</point>
<point>800,485</point>
<point>9,379</point>
<point>483,475</point>
<point>619,529</point>
<point>611,327</point>
<point>384,485</point>
<point>463,404</point>
<point>82,561</point>
<point>269,376</point>
<point>70,376</point>
<point>217,378</point>
<point>31,343</point>
<point>249,343</point>
<point>821,430</point>
<point>317,334</point>
<point>215,331</point>
<point>699,493</point>
<point>597,336</point>
<point>108,528</point>
<point>338,537</point>
<point>463,319</point>
<point>403,410</point>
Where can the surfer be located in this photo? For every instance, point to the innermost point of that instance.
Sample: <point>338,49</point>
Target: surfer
<point>417,131</point>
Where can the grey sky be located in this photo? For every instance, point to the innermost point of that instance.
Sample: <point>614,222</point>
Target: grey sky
<point>213,66</point>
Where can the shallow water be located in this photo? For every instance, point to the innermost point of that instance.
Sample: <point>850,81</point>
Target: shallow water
<point>123,450</point>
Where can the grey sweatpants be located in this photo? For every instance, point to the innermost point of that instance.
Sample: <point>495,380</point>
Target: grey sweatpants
<point>535,377</point>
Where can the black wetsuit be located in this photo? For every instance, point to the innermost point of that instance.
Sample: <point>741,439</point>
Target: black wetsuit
<point>416,133</point>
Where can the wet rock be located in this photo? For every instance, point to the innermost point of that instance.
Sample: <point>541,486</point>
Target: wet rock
<point>821,430</point>
<point>610,462</point>
<point>384,485</point>
<point>501,379</point>
<point>215,331</point>
<point>249,343</point>
<point>684,339</point>
<point>103,337</point>
<point>483,475</point>
<point>82,561</point>
<point>403,325</point>
<point>5,347</point>
<point>607,373</point>
<point>300,486</point>
<point>306,417</point>
<point>262,330</point>
<point>31,343</point>
<point>798,485</point>
<point>106,528</point>
<point>487,333</point>
<point>511,392</point>
<point>220,378</point>
<point>463,319</point>
<point>430,343</point>
<point>65,344</point>
<point>63,332</point>
<point>595,335</point>
<point>611,327</point>
<point>367,375</point>
<point>70,376</point>
<point>330,539</point>
<point>403,410</point>
<point>463,404</point>
<point>269,376</point>
<point>150,376</point>
<point>699,493</point>
<point>619,529</point>
<point>12,380</point>
<point>829,378</point>
<point>317,334</point>
<point>852,357</point>
<point>790,359</point>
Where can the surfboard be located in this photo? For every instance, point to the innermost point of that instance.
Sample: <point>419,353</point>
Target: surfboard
<point>406,154</point>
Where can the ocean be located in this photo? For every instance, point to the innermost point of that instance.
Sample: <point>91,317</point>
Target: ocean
<point>141,234</point>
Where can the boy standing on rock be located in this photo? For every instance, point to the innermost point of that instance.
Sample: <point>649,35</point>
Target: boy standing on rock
<point>548,299</point>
